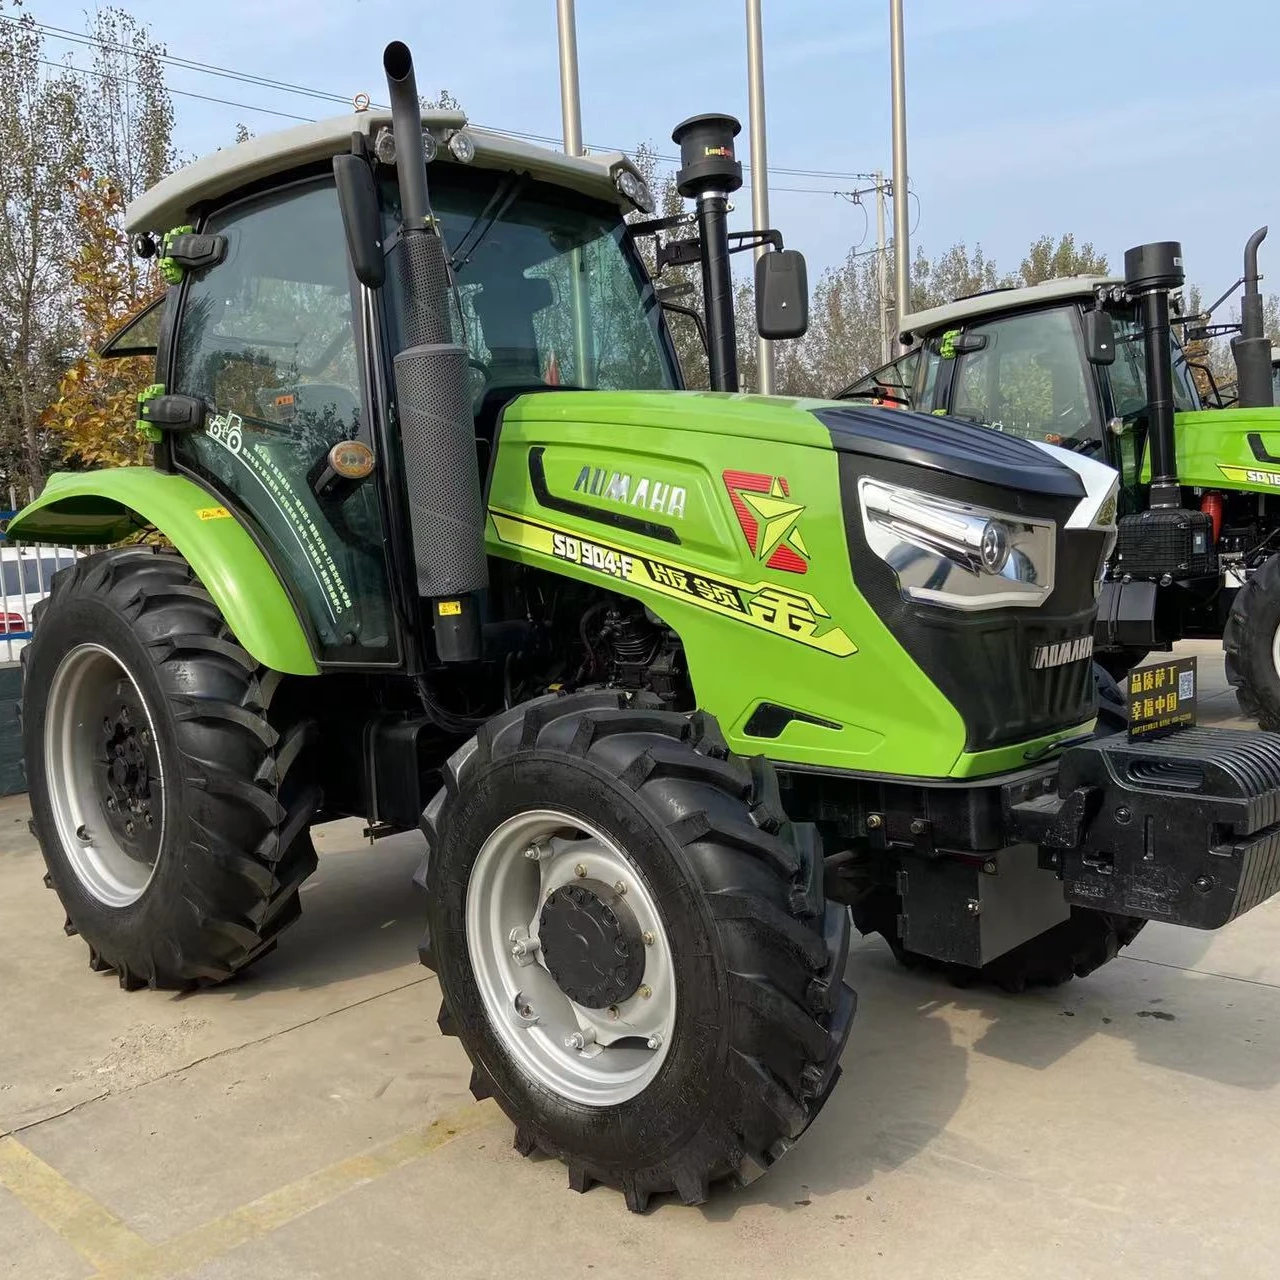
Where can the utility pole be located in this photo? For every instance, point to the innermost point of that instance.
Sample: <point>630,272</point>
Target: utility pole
<point>571,116</point>
<point>901,202</point>
<point>570,103</point>
<point>882,272</point>
<point>759,170</point>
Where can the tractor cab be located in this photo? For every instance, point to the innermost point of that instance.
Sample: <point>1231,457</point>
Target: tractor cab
<point>1061,363</point>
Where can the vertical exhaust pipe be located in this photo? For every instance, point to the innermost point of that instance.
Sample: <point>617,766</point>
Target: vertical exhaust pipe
<point>1251,350</point>
<point>709,174</point>
<point>433,395</point>
<point>1151,273</point>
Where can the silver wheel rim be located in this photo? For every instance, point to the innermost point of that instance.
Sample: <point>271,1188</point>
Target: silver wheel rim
<point>112,843</point>
<point>598,1057</point>
<point>1275,651</point>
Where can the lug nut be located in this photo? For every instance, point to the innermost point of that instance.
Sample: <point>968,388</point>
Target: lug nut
<point>147,820</point>
<point>613,1012</point>
<point>1123,815</point>
<point>873,821</point>
<point>655,1041</point>
<point>111,804</point>
<point>128,827</point>
<point>619,888</point>
<point>580,1039</point>
<point>1203,883</point>
<point>918,826</point>
<point>146,737</point>
<point>580,871</point>
<point>648,938</point>
<point>989,867</point>
<point>526,1011</point>
<point>645,992</point>
<point>533,853</point>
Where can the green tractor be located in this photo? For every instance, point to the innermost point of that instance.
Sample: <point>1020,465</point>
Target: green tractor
<point>1092,364</point>
<point>670,681</point>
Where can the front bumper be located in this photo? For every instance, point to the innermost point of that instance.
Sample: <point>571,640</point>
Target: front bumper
<point>1183,829</point>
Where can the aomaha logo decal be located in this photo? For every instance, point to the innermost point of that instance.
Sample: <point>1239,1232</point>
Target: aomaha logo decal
<point>641,493</point>
<point>769,519</point>
<point>1062,653</point>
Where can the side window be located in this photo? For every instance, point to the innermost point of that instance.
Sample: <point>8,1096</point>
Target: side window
<point>268,340</point>
<point>1028,379</point>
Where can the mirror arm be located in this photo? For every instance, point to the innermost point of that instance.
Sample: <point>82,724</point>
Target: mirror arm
<point>690,313</point>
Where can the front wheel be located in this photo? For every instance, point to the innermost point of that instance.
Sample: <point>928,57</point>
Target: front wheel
<point>633,945</point>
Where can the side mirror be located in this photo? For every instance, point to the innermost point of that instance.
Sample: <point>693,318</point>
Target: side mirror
<point>782,294</point>
<point>358,200</point>
<point>1099,338</point>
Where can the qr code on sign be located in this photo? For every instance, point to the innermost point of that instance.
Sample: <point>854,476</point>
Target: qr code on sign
<point>1186,685</point>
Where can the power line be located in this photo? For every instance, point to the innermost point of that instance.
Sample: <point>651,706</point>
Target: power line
<point>284,86</point>
<point>71,69</point>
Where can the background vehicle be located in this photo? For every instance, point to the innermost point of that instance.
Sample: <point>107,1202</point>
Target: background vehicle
<point>1070,362</point>
<point>684,676</point>
<point>26,576</point>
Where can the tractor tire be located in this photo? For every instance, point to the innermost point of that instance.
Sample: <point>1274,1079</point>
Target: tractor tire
<point>1251,643</point>
<point>583,843</point>
<point>169,785</point>
<point>1073,949</point>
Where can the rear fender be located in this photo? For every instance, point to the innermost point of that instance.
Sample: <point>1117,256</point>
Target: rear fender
<point>102,507</point>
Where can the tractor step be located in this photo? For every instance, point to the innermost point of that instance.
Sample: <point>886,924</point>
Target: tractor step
<point>1184,829</point>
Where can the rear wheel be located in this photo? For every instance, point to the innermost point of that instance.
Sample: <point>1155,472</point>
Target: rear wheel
<point>1083,942</point>
<point>1251,642</point>
<point>633,945</point>
<point>168,781</point>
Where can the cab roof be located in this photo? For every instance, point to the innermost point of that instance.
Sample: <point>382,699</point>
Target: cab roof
<point>954,314</point>
<point>172,201</point>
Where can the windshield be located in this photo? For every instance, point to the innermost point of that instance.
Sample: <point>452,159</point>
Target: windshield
<point>1129,373</point>
<point>519,247</point>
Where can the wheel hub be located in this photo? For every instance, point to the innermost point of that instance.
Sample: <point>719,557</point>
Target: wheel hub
<point>592,944</point>
<point>105,775</point>
<point>126,785</point>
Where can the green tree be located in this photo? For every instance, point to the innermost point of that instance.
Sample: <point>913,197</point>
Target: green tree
<point>1046,260</point>
<point>42,141</point>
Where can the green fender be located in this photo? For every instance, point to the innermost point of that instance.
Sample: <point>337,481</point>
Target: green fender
<point>101,507</point>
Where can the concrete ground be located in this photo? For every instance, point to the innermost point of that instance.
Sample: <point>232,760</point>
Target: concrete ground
<point>310,1121</point>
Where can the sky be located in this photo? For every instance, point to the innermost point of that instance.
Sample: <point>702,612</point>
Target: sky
<point>1123,121</point>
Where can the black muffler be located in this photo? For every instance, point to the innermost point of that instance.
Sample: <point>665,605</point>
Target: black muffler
<point>1251,350</point>
<point>433,395</point>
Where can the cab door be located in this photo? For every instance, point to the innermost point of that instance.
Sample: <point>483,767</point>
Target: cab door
<point>270,340</point>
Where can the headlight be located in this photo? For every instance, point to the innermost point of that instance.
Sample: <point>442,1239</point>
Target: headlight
<point>954,554</point>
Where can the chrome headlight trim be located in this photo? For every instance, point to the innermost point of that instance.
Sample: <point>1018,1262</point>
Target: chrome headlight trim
<point>955,554</point>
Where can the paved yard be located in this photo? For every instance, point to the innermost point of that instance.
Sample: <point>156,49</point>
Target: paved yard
<point>309,1120</point>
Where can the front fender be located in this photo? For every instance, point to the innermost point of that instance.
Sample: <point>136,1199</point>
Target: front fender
<point>101,507</point>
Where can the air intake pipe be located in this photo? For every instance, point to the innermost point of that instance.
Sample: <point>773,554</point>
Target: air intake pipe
<point>1151,273</point>
<point>1251,350</point>
<point>709,174</point>
<point>433,395</point>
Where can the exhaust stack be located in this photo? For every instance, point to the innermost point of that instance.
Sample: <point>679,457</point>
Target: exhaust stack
<point>1151,273</point>
<point>433,395</point>
<point>709,174</point>
<point>1251,350</point>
